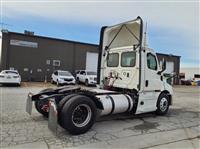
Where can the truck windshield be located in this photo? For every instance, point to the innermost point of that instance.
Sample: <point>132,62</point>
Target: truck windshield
<point>113,60</point>
<point>91,73</point>
<point>10,72</point>
<point>64,73</point>
<point>128,59</point>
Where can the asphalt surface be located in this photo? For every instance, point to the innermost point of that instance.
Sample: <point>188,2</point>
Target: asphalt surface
<point>180,128</point>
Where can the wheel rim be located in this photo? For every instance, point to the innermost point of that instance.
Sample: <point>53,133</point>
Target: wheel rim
<point>44,107</point>
<point>163,104</point>
<point>81,115</point>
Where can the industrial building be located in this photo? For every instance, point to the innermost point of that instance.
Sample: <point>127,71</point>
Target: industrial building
<point>36,57</point>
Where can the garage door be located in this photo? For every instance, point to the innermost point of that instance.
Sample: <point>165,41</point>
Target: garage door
<point>91,61</point>
<point>169,70</point>
<point>169,67</point>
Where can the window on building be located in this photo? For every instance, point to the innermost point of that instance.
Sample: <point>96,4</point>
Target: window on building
<point>182,75</point>
<point>113,60</point>
<point>25,69</point>
<point>128,59</point>
<point>196,75</point>
<point>39,70</point>
<point>151,61</point>
<point>56,62</point>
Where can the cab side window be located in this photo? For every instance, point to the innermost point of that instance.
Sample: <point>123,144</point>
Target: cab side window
<point>151,61</point>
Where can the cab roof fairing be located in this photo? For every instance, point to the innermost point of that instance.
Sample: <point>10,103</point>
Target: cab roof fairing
<point>122,35</point>
<point>107,32</point>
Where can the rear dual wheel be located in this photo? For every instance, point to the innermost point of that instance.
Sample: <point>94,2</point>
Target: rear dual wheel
<point>42,106</point>
<point>78,114</point>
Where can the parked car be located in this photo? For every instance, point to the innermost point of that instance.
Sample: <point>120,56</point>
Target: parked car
<point>87,77</point>
<point>10,77</point>
<point>61,77</point>
<point>186,82</point>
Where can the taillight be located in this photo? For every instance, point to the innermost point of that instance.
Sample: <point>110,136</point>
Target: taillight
<point>2,76</point>
<point>15,76</point>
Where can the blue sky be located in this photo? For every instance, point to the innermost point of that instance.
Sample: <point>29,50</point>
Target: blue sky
<point>173,27</point>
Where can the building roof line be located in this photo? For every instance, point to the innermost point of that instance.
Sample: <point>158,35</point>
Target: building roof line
<point>168,55</point>
<point>51,38</point>
<point>78,42</point>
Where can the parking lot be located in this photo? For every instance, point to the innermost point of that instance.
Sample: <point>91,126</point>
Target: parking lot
<point>180,128</point>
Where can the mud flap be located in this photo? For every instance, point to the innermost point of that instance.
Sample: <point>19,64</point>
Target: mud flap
<point>53,117</point>
<point>29,103</point>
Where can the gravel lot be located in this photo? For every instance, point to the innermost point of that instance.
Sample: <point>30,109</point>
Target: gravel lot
<point>180,128</point>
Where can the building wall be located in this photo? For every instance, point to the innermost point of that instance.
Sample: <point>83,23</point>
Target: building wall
<point>190,72</point>
<point>31,62</point>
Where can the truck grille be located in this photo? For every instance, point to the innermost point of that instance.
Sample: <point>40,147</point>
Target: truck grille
<point>68,79</point>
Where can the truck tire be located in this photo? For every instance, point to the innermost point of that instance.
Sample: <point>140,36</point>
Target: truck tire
<point>162,104</point>
<point>78,114</point>
<point>39,104</point>
<point>60,107</point>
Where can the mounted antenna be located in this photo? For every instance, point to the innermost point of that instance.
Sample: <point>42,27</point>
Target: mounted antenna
<point>145,37</point>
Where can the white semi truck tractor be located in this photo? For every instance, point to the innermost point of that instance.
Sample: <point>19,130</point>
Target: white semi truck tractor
<point>130,80</point>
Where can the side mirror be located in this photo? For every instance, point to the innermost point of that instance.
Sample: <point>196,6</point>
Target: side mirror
<point>107,57</point>
<point>163,67</point>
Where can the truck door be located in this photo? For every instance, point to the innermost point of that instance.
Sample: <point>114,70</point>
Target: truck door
<point>128,69</point>
<point>151,84</point>
<point>152,78</point>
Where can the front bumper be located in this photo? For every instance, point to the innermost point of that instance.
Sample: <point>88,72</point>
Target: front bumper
<point>66,82</point>
<point>92,82</point>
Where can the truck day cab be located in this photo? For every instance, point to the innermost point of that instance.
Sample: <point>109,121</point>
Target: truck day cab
<point>129,78</point>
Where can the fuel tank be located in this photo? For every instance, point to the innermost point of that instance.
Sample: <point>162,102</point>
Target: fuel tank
<point>115,103</point>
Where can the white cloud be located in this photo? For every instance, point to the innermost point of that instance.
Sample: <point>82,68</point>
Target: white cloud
<point>181,17</point>
<point>171,14</point>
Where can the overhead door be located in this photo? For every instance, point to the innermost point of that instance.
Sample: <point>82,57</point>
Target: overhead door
<point>91,61</point>
<point>169,70</point>
<point>169,67</point>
